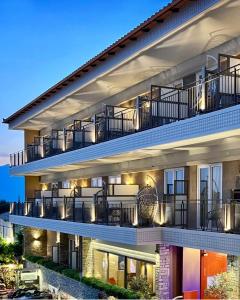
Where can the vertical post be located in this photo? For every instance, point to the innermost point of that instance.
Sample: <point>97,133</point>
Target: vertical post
<point>121,214</point>
<point>73,209</point>
<point>83,136</point>
<point>235,84</point>
<point>150,114</point>
<point>178,105</point>
<point>122,124</point>
<point>83,212</point>
<point>64,140</point>
<point>138,113</point>
<point>107,212</point>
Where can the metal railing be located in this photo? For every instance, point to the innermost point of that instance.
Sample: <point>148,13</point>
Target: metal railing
<point>110,126</point>
<point>205,215</point>
<point>162,106</point>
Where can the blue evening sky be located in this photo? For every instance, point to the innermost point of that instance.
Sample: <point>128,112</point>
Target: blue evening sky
<point>42,41</point>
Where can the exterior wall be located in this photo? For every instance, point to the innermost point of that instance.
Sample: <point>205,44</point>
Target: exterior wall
<point>35,241</point>
<point>32,183</point>
<point>63,249</point>
<point>87,257</point>
<point>29,136</point>
<point>192,186</point>
<point>51,241</point>
<point>142,179</point>
<point>231,177</point>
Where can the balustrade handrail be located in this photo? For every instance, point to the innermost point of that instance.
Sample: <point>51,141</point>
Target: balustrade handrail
<point>221,215</point>
<point>173,111</point>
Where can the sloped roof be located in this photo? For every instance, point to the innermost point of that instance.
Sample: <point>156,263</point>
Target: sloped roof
<point>116,47</point>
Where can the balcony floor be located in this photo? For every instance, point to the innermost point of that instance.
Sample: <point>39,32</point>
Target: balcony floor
<point>212,241</point>
<point>198,132</point>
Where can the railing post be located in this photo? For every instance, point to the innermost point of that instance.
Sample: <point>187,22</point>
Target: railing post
<point>64,207</point>
<point>107,212</point>
<point>83,137</point>
<point>122,123</point>
<point>73,208</point>
<point>83,212</point>
<point>182,214</point>
<point>121,213</point>
<point>235,85</point>
<point>178,104</point>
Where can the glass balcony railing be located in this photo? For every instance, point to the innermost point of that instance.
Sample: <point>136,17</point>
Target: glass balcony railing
<point>163,105</point>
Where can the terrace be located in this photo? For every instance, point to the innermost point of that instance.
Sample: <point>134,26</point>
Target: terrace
<point>162,105</point>
<point>130,206</point>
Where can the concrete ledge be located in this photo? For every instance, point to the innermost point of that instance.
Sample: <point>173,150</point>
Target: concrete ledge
<point>123,235</point>
<point>212,241</point>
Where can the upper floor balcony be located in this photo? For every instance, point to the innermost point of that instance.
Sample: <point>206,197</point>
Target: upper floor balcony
<point>162,105</point>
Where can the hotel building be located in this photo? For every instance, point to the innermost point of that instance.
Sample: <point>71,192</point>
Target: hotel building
<point>132,162</point>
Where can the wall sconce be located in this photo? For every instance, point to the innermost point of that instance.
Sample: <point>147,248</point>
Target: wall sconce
<point>76,241</point>
<point>129,179</point>
<point>44,186</point>
<point>58,238</point>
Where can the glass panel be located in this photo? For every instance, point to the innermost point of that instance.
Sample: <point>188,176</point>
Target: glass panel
<point>216,182</point>
<point>203,184</point>
<point>116,269</point>
<point>179,186</point>
<point>180,174</point>
<point>169,179</point>
<point>96,182</point>
<point>114,179</point>
<point>100,265</point>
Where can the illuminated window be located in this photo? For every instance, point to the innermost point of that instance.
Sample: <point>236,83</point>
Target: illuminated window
<point>174,181</point>
<point>66,184</point>
<point>115,179</point>
<point>96,182</point>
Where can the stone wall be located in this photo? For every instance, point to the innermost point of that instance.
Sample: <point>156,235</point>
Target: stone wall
<point>163,272</point>
<point>64,285</point>
<point>87,257</point>
<point>35,241</point>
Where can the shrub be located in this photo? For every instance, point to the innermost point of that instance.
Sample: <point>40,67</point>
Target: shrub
<point>34,258</point>
<point>71,273</point>
<point>140,284</point>
<point>110,290</point>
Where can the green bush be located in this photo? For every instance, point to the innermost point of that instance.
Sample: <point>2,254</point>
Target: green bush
<point>140,284</point>
<point>34,258</point>
<point>71,273</point>
<point>111,290</point>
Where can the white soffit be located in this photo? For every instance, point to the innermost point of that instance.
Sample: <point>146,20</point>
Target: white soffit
<point>214,27</point>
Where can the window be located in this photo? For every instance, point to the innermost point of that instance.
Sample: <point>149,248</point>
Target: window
<point>66,184</point>
<point>210,182</point>
<point>174,181</point>
<point>96,182</point>
<point>120,270</point>
<point>115,179</point>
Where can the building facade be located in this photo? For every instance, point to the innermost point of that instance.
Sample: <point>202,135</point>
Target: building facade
<point>132,162</point>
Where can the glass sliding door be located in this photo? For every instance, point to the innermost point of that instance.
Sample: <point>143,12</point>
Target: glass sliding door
<point>120,270</point>
<point>209,195</point>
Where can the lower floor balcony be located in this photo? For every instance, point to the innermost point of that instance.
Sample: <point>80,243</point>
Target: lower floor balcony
<point>175,211</point>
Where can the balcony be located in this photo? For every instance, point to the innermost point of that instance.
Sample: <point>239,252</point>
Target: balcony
<point>163,105</point>
<point>140,208</point>
<point>208,215</point>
